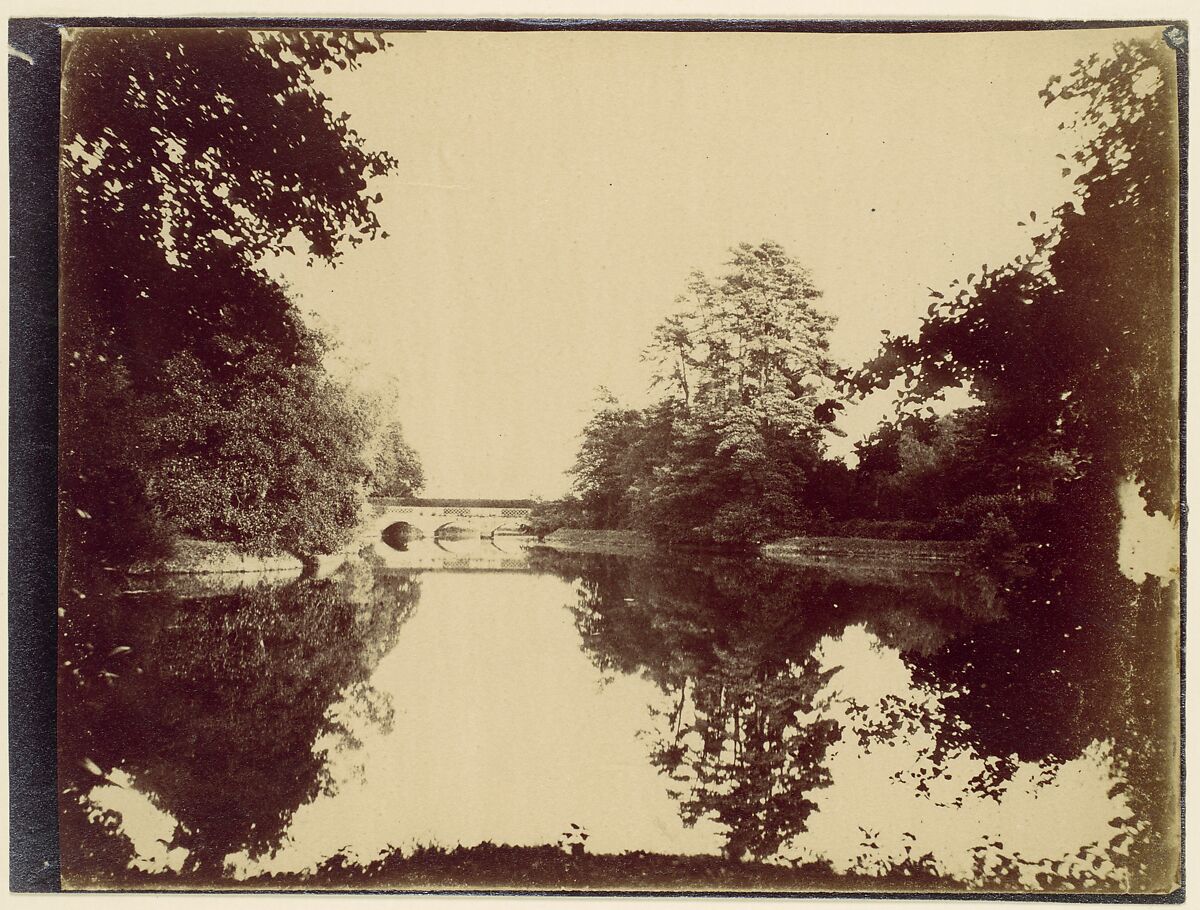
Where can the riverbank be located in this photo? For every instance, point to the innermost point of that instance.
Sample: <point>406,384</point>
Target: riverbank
<point>201,557</point>
<point>805,551</point>
<point>614,543</point>
<point>819,550</point>
<point>207,557</point>
<point>191,557</point>
<point>550,870</point>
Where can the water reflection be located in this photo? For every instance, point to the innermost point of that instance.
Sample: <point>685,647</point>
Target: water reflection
<point>762,733</point>
<point>706,722</point>
<point>503,733</point>
<point>210,705</point>
<point>464,552</point>
<point>902,799</point>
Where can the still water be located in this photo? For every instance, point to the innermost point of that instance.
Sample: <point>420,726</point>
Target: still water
<point>713,722</point>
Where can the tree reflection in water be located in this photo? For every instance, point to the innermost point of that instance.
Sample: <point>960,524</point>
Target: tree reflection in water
<point>732,644</point>
<point>907,718</point>
<point>1085,656</point>
<point>209,708</point>
<point>1014,678</point>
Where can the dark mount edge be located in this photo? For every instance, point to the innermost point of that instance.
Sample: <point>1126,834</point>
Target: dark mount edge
<point>1182,75</point>
<point>33,456</point>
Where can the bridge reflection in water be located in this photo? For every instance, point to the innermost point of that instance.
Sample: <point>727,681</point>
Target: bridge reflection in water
<point>498,553</point>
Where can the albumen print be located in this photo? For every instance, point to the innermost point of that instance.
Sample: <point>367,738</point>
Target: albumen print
<point>693,459</point>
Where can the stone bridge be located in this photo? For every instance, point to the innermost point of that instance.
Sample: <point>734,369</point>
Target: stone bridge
<point>428,516</point>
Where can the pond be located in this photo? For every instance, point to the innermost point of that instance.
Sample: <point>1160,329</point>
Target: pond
<point>469,714</point>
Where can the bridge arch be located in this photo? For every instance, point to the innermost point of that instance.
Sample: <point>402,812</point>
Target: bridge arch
<point>483,528</point>
<point>380,524</point>
<point>508,524</point>
<point>399,533</point>
<point>460,523</point>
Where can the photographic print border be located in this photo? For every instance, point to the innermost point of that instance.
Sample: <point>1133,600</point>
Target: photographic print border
<point>33,219</point>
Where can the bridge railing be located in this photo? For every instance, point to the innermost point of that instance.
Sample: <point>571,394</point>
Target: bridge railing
<point>424,503</point>
<point>399,505</point>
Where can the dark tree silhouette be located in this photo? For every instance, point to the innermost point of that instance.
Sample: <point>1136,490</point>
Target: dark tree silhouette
<point>1074,352</point>
<point>188,156</point>
<point>1073,349</point>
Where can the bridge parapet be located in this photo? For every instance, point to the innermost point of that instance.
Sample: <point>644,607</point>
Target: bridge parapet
<point>431,516</point>
<point>451,507</point>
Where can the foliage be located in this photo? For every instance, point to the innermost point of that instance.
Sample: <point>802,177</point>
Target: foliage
<point>753,344</point>
<point>731,642</point>
<point>949,473</point>
<point>747,368</point>
<point>188,156</point>
<point>1072,349</point>
<point>269,458</point>
<point>218,138</point>
<point>211,706</point>
<point>738,676</point>
<point>724,456</point>
<point>882,529</point>
<point>547,517</point>
<point>396,469</point>
<point>617,457</point>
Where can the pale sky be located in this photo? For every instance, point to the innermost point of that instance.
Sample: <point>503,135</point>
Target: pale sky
<point>555,190</point>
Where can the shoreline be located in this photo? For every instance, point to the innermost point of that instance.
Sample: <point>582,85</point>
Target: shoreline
<point>207,558</point>
<point>817,551</point>
<point>800,551</point>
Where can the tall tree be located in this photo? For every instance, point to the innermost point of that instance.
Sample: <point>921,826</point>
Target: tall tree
<point>270,458</point>
<point>748,367</point>
<point>618,453</point>
<point>1074,353</point>
<point>754,343</point>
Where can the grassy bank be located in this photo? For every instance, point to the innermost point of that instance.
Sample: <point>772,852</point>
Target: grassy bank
<point>617,543</point>
<point>208,557</point>
<point>544,868</point>
<point>195,557</point>
<point>502,867</point>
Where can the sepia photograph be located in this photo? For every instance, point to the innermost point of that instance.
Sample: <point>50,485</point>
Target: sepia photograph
<point>668,458</point>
